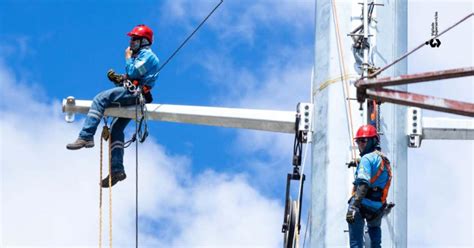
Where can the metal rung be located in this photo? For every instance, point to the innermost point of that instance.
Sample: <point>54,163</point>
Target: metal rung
<point>351,34</point>
<point>376,4</point>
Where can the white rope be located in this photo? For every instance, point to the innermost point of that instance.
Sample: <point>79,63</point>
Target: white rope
<point>308,224</point>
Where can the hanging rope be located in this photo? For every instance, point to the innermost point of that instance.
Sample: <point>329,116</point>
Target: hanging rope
<point>140,101</point>
<point>104,130</point>
<point>347,102</point>
<point>110,193</point>
<point>105,136</point>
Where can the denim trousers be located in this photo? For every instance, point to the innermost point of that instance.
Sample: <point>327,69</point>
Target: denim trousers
<point>356,231</point>
<point>115,97</point>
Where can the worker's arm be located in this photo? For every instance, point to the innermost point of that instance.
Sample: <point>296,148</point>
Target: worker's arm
<point>136,67</point>
<point>362,187</point>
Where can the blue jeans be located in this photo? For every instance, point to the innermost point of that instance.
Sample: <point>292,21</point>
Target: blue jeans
<point>117,96</point>
<point>356,232</point>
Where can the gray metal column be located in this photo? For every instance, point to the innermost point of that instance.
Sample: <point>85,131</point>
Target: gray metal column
<point>331,180</point>
<point>392,43</point>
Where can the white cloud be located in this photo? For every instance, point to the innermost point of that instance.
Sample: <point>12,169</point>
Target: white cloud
<point>239,20</point>
<point>49,195</point>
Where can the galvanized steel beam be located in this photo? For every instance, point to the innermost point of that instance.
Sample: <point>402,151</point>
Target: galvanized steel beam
<point>266,120</point>
<point>416,78</point>
<point>422,101</point>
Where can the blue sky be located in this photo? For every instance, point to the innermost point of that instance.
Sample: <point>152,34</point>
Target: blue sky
<point>196,180</point>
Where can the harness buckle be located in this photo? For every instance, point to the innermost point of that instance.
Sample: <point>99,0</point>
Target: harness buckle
<point>130,86</point>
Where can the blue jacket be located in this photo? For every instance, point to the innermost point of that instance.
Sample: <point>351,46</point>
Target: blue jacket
<point>143,67</point>
<point>365,171</point>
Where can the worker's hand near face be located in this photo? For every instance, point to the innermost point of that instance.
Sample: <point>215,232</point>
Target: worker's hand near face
<point>128,53</point>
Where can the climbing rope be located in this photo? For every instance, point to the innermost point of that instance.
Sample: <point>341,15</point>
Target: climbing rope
<point>140,101</point>
<point>104,130</point>
<point>105,136</point>
<point>347,103</point>
<point>110,192</point>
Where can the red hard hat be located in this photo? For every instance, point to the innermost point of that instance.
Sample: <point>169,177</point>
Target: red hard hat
<point>142,31</point>
<point>366,131</point>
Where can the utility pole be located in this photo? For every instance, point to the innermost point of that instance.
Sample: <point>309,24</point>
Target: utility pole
<point>342,60</point>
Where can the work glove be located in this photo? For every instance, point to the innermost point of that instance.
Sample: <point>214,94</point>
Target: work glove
<point>351,212</point>
<point>117,79</point>
<point>388,208</point>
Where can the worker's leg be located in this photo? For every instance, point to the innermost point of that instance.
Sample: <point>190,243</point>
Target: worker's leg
<point>356,232</point>
<point>102,101</point>
<point>117,138</point>
<point>375,232</point>
<point>117,150</point>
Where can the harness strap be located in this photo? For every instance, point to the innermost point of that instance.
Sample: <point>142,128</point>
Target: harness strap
<point>145,88</point>
<point>385,163</point>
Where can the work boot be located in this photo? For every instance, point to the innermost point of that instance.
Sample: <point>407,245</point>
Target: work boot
<point>80,143</point>
<point>116,177</point>
<point>117,79</point>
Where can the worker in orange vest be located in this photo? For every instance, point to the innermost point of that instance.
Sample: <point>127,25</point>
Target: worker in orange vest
<point>372,179</point>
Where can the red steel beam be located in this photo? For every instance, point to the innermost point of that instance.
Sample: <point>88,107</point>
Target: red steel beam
<point>416,78</point>
<point>422,101</point>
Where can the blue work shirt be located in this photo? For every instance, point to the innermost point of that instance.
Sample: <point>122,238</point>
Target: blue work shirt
<point>143,67</point>
<point>367,169</point>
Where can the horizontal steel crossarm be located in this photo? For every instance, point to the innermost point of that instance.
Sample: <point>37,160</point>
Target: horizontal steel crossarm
<point>422,101</point>
<point>416,78</point>
<point>266,120</point>
<point>436,128</point>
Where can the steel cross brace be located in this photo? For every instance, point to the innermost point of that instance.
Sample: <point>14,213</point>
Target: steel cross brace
<point>373,89</point>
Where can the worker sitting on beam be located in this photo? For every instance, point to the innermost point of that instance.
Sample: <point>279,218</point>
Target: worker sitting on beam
<point>141,69</point>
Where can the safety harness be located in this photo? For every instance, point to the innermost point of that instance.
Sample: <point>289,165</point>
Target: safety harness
<point>376,193</point>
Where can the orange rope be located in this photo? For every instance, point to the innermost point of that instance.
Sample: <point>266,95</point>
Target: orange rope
<point>100,193</point>
<point>110,193</point>
<point>346,86</point>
